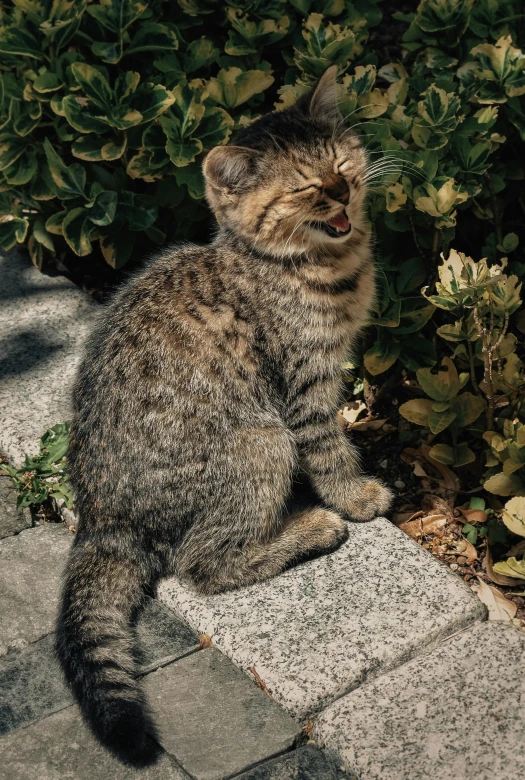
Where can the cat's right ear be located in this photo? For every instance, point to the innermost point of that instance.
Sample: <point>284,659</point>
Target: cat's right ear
<point>230,168</point>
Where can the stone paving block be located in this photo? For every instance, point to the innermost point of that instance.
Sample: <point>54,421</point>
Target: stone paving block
<point>12,520</point>
<point>458,712</point>
<point>213,720</point>
<point>162,637</point>
<point>321,629</point>
<point>31,685</point>
<point>31,566</point>
<point>305,763</point>
<point>31,682</point>
<point>44,321</point>
<point>60,747</point>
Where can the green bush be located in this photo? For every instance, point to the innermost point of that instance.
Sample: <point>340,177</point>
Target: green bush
<point>108,109</point>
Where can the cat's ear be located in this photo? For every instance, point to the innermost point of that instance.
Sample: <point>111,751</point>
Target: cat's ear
<point>230,168</point>
<point>321,102</point>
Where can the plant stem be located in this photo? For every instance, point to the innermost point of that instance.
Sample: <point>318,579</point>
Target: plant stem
<point>473,370</point>
<point>495,209</point>
<point>435,242</point>
<point>414,235</point>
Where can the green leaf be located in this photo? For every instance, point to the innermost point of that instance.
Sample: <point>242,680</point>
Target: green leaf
<point>505,485</point>
<point>199,54</point>
<point>76,230</point>
<point>93,148</point>
<point>417,410</point>
<point>232,86</point>
<point>214,128</point>
<point>47,82</point>
<point>381,356</point>
<point>470,532</point>
<point>29,119</point>
<point>153,36</point>
<point>84,118</point>
<point>11,148</point>
<point>463,455</point>
<point>510,242</point>
<point>467,408</point>
<point>94,85</point>
<point>103,210</point>
<point>477,503</point>
<point>13,231</point>
<point>150,100</point>
<point>117,249</point>
<point>443,385</point>
<point>414,314</point>
<point>117,15</point>
<point>438,421</point>
<point>19,41</point>
<point>22,171</point>
<point>192,177</point>
<point>443,454</point>
<point>70,179</point>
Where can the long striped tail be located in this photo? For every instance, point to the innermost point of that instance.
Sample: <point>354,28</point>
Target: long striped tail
<point>95,647</point>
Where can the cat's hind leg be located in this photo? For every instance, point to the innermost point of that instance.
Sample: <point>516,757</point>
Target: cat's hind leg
<point>302,535</point>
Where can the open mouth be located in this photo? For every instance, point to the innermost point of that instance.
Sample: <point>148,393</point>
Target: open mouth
<point>336,227</point>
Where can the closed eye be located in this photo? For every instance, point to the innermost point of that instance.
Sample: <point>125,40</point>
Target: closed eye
<point>309,187</point>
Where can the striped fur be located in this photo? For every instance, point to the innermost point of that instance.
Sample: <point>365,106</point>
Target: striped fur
<point>212,378</point>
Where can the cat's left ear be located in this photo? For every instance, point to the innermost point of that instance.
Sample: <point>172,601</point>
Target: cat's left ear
<point>322,100</point>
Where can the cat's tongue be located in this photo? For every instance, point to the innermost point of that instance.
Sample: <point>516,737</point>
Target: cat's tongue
<point>340,222</point>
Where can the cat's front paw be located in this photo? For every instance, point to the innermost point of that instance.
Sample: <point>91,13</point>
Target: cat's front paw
<point>368,499</point>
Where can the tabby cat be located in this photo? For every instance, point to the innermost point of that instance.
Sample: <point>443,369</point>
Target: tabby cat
<point>211,379</point>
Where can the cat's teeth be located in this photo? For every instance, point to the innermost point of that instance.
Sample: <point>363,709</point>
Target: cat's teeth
<point>340,222</point>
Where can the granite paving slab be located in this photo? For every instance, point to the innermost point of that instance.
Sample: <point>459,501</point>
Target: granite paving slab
<point>12,520</point>
<point>31,566</point>
<point>44,321</point>
<point>213,720</point>
<point>60,747</point>
<point>31,682</point>
<point>458,712</point>
<point>321,629</point>
<point>31,685</point>
<point>305,763</point>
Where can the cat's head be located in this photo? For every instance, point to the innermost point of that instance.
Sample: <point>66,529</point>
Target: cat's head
<point>294,180</point>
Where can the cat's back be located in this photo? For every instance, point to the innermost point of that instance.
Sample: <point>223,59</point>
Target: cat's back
<point>177,328</point>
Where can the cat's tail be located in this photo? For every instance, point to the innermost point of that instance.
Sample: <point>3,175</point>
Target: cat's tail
<point>95,647</point>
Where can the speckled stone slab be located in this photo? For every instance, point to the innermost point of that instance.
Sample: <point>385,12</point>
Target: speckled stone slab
<point>213,720</point>
<point>60,747</point>
<point>43,323</point>
<point>321,629</point>
<point>31,566</point>
<point>305,763</point>
<point>458,712</point>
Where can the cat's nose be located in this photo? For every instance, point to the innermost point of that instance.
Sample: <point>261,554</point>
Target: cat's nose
<point>337,189</point>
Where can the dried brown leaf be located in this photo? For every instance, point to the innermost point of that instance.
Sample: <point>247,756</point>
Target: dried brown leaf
<point>499,607</point>
<point>499,579</point>
<point>516,550</point>
<point>414,528</point>
<point>474,515</point>
<point>432,502</point>
<point>434,524</point>
<point>351,412</point>
<point>367,425</point>
<point>465,548</point>
<point>205,641</point>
